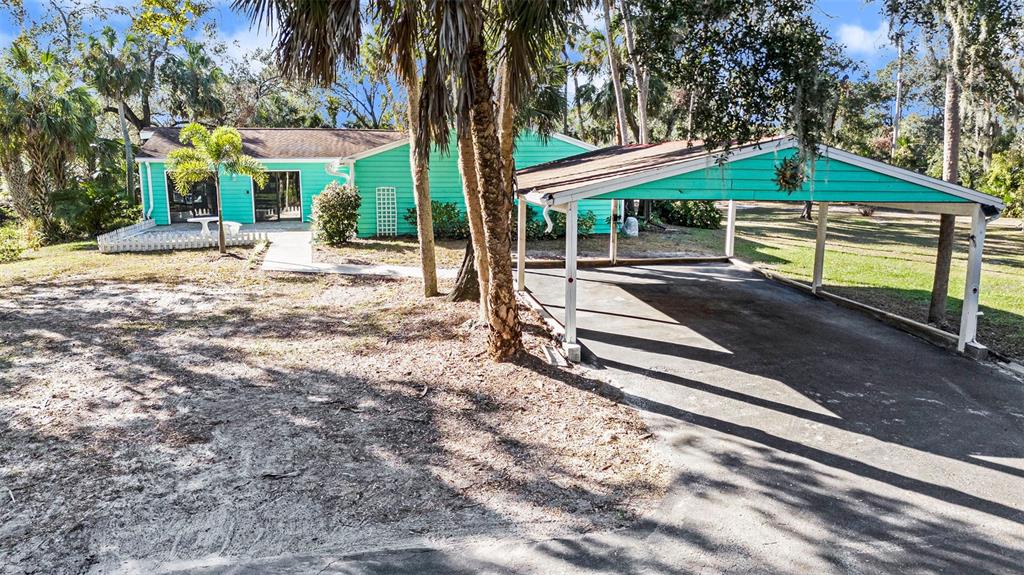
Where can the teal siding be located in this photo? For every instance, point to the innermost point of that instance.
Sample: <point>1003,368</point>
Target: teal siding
<point>754,179</point>
<point>236,198</point>
<point>161,212</point>
<point>392,168</point>
<point>389,168</point>
<point>236,191</point>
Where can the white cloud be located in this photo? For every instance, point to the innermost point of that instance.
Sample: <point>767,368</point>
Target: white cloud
<point>245,40</point>
<point>859,40</point>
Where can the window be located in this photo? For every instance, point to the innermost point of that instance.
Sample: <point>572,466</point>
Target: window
<point>280,199</point>
<point>201,200</point>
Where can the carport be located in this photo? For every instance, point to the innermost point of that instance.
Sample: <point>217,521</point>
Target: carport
<point>688,171</point>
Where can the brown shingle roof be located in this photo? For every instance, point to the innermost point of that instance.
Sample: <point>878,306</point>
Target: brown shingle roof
<point>284,143</point>
<point>607,164</point>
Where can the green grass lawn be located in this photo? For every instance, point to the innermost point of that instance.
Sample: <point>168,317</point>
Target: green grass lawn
<point>888,261</point>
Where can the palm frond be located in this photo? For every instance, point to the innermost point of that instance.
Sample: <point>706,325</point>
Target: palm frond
<point>312,36</point>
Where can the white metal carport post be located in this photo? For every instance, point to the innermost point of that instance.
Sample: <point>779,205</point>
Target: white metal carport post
<point>521,246</point>
<point>572,349</point>
<point>969,314</point>
<point>730,230</point>
<point>819,247</point>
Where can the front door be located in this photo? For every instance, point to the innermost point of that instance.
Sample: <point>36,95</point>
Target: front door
<point>280,199</point>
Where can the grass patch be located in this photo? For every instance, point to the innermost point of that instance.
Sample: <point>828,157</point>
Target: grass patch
<point>888,261</point>
<point>397,251</point>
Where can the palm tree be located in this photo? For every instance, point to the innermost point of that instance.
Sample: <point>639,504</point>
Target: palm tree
<point>313,37</point>
<point>207,156</point>
<point>47,123</point>
<point>192,83</point>
<point>117,74</point>
<point>613,69</point>
<point>400,26</point>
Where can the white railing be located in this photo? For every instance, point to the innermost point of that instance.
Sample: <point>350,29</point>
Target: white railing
<point>162,241</point>
<point>125,232</point>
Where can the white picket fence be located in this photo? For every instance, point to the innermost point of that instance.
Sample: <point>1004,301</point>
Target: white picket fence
<point>125,232</point>
<point>141,240</point>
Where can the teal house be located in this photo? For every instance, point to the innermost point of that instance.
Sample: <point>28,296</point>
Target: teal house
<point>302,162</point>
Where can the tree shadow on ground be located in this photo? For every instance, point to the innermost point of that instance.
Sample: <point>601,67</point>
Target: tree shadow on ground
<point>829,427</point>
<point>149,431</point>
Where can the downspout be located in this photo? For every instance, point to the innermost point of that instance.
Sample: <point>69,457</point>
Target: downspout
<point>142,188</point>
<point>149,183</point>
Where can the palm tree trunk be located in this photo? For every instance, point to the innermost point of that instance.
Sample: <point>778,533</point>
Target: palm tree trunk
<point>474,214</point>
<point>467,284</point>
<point>221,242</point>
<point>613,68</point>
<point>950,173</point>
<point>129,162</point>
<point>641,76</point>
<point>505,335</point>
<point>507,138</point>
<point>13,171</point>
<point>421,193</point>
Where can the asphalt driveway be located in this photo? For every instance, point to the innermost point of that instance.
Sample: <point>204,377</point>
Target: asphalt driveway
<point>807,438</point>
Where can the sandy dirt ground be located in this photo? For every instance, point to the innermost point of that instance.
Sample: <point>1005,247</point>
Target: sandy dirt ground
<point>151,425</point>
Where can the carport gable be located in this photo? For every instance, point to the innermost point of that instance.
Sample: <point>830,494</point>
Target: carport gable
<point>677,171</point>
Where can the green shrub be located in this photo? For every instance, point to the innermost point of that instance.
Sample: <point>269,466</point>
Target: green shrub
<point>1005,179</point>
<point>536,226</point>
<point>691,214</point>
<point>12,243</point>
<point>92,208</point>
<point>449,221</point>
<point>336,214</point>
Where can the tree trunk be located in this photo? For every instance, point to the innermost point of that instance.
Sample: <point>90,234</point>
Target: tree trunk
<point>467,284</point>
<point>221,242</point>
<point>421,194</point>
<point>13,171</point>
<point>950,173</point>
<point>897,108</point>
<point>507,139</point>
<point>805,213</point>
<point>505,335</point>
<point>129,162</point>
<point>641,76</point>
<point>613,68</point>
<point>474,214</point>
<point>576,102</point>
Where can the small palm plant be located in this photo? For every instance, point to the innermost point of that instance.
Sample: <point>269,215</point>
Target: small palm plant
<point>209,154</point>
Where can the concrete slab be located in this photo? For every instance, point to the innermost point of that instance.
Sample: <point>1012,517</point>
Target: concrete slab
<point>292,251</point>
<point>806,437</point>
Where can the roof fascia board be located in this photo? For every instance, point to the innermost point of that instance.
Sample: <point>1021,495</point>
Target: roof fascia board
<point>378,150</point>
<point>913,177</point>
<point>265,160</point>
<point>679,169</point>
<point>574,141</point>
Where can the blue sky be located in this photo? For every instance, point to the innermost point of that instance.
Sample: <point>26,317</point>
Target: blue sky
<point>857,24</point>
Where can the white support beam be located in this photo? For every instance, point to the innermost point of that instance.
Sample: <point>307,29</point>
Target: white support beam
<point>521,246</point>
<point>972,287</point>
<point>613,235</point>
<point>572,349</point>
<point>819,247</point>
<point>730,230</point>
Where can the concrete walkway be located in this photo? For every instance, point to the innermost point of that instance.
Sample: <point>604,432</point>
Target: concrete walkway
<point>292,251</point>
